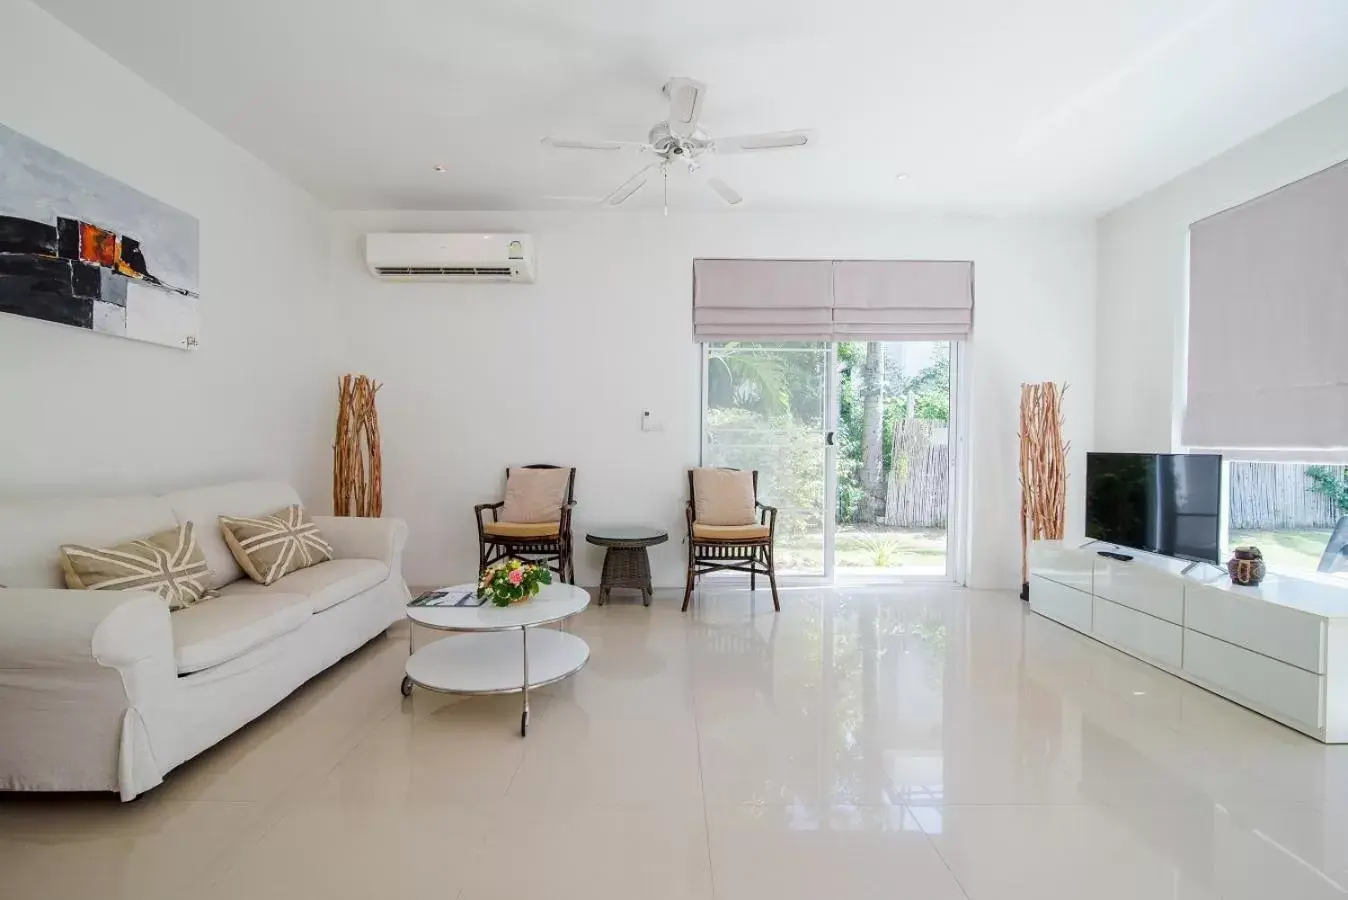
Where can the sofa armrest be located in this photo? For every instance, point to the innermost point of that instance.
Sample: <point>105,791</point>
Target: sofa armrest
<point>79,671</point>
<point>354,537</point>
<point>45,630</point>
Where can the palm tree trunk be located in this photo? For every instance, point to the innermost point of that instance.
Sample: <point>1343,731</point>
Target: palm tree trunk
<point>872,440</point>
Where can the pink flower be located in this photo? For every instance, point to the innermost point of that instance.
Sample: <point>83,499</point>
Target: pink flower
<point>516,576</point>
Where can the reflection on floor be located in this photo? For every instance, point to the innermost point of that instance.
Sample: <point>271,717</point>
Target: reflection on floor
<point>919,742</point>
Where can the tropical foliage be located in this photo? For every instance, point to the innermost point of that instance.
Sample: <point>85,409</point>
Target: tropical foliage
<point>765,411</point>
<point>1331,482</point>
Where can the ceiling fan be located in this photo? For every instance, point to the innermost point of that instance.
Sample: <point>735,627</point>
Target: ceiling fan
<point>680,140</point>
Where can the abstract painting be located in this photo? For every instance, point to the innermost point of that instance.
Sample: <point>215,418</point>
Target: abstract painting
<point>79,248</point>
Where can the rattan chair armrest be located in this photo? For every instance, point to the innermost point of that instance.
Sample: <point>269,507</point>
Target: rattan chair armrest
<point>483,507</point>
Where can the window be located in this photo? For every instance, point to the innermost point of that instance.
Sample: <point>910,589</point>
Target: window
<point>1288,510</point>
<point>851,442</point>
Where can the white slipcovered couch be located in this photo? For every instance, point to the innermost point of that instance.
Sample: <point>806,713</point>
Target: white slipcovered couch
<point>108,691</point>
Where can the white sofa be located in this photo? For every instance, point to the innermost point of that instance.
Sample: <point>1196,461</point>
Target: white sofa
<point>109,691</point>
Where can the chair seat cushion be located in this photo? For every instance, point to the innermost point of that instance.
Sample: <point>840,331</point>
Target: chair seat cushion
<point>215,631</point>
<point>325,585</point>
<point>730,532</point>
<point>522,529</point>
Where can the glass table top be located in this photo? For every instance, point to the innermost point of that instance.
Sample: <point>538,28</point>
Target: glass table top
<point>625,534</point>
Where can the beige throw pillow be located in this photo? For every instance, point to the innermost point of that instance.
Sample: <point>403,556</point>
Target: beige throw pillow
<point>170,563</point>
<point>271,547</point>
<point>535,495</point>
<point>723,497</point>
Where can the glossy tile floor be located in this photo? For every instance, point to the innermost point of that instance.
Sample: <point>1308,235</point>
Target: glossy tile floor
<point>920,742</point>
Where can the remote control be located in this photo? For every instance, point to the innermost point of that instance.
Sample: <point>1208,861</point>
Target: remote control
<point>1121,557</point>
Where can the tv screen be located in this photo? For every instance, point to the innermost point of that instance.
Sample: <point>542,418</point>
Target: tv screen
<point>1167,503</point>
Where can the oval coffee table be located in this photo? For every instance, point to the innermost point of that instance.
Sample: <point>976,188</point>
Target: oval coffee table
<point>497,656</point>
<point>626,564</point>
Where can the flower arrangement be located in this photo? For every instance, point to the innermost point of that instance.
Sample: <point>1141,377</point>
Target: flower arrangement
<point>512,582</point>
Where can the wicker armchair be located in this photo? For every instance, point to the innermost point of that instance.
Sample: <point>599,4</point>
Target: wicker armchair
<point>734,548</point>
<point>544,539</point>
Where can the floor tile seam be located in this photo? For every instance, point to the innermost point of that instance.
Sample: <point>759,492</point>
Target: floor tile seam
<point>702,786</point>
<point>907,810</point>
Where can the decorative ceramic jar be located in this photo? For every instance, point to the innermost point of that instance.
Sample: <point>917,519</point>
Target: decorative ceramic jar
<point>1246,566</point>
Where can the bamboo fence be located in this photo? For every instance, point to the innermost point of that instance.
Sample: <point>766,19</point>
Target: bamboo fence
<point>918,490</point>
<point>357,464</point>
<point>1043,467</point>
<point>1268,496</point>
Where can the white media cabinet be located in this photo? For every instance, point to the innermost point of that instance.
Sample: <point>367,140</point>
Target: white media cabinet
<point>1280,649</point>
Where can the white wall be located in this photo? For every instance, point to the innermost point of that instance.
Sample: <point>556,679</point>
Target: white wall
<point>480,377</point>
<point>1142,277</point>
<point>84,411</point>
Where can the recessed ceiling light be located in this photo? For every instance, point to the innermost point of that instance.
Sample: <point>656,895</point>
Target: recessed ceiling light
<point>438,168</point>
<point>902,176</point>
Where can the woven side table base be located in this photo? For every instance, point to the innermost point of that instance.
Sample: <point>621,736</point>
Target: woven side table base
<point>626,567</point>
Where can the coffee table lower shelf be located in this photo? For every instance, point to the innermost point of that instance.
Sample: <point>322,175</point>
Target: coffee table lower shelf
<point>497,662</point>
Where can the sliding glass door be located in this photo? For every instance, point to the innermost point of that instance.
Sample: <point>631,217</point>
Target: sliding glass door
<point>766,408</point>
<point>853,444</point>
<point>894,460</point>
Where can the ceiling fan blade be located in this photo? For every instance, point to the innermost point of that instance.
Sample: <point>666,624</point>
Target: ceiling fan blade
<point>725,191</point>
<point>630,186</point>
<point>565,144</point>
<point>776,140</point>
<point>685,104</point>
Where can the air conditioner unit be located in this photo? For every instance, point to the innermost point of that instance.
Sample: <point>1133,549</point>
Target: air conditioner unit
<point>451,257</point>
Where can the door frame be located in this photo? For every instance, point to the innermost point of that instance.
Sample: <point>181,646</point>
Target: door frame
<point>957,496</point>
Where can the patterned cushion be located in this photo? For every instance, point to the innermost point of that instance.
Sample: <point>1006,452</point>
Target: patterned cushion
<point>271,547</point>
<point>170,563</point>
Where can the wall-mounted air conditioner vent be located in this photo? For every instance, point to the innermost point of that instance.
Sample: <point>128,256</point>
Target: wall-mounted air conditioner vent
<point>451,257</point>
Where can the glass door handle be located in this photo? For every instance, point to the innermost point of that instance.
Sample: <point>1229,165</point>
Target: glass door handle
<point>828,439</point>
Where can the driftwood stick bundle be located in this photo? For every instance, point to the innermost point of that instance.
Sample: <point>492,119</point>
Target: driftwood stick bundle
<point>1043,468</point>
<point>357,464</point>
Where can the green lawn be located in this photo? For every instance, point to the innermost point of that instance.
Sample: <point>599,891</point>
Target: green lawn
<point>878,548</point>
<point>1287,550</point>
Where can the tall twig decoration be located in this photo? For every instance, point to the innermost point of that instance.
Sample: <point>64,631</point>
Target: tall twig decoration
<point>1043,469</point>
<point>357,466</point>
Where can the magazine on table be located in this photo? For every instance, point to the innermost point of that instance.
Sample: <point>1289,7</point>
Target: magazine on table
<point>447,597</point>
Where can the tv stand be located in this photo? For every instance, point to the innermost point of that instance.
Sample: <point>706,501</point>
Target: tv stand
<point>1280,649</point>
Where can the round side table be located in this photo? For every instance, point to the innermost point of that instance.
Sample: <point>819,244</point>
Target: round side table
<point>626,564</point>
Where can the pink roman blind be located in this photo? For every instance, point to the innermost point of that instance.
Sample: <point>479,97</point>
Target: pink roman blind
<point>1268,320</point>
<point>762,299</point>
<point>825,300</point>
<point>894,300</point>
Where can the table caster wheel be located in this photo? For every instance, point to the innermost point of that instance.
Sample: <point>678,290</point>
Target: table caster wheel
<point>407,686</point>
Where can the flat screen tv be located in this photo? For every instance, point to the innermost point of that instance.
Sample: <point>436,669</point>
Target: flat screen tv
<point>1167,503</point>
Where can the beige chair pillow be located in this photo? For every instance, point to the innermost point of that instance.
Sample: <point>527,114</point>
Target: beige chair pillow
<point>170,563</point>
<point>270,547</point>
<point>723,497</point>
<point>535,495</point>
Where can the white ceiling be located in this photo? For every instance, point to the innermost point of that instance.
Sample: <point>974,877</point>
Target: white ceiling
<point>993,106</point>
